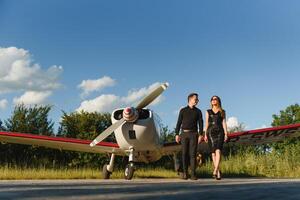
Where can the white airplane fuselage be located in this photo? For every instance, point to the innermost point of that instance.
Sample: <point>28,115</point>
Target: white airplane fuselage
<point>143,136</point>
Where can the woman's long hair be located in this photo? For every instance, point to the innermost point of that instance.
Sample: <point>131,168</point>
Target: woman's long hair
<point>219,104</point>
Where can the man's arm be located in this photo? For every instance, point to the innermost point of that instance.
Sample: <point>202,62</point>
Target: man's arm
<point>179,122</point>
<point>200,123</point>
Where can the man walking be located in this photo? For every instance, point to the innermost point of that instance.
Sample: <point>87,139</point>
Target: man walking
<point>190,123</point>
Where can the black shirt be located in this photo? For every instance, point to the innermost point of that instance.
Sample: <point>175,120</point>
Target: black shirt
<point>190,119</point>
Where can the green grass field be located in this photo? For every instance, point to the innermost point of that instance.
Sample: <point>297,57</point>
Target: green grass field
<point>9,173</point>
<point>245,164</point>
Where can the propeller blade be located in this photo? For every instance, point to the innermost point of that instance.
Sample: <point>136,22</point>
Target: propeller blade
<point>107,132</point>
<point>152,96</point>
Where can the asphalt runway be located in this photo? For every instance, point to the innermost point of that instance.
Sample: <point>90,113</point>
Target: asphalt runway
<point>152,189</point>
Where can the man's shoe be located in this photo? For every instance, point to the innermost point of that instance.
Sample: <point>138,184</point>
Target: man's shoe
<point>184,176</point>
<point>194,178</point>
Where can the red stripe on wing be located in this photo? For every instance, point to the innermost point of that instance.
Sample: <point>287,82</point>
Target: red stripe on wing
<point>58,139</point>
<point>232,135</point>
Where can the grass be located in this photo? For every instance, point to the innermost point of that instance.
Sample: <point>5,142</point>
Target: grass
<point>272,165</point>
<point>14,173</point>
<point>245,164</point>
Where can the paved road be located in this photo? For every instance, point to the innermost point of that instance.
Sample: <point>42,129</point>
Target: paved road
<point>152,189</point>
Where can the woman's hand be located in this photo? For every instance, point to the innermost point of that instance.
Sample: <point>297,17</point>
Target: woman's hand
<point>226,138</point>
<point>177,139</point>
<point>205,138</point>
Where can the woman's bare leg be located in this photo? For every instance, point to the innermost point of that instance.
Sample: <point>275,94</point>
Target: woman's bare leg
<point>213,155</point>
<point>218,160</point>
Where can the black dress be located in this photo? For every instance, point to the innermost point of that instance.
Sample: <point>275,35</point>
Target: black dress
<point>215,131</point>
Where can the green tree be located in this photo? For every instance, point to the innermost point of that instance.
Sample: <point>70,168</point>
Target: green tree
<point>167,134</point>
<point>84,125</point>
<point>290,115</point>
<point>2,128</point>
<point>32,120</point>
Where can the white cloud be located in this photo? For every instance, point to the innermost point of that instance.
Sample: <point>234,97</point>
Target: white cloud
<point>262,126</point>
<point>32,97</point>
<point>89,86</point>
<point>3,104</point>
<point>232,122</point>
<point>103,103</point>
<point>109,102</point>
<point>137,94</point>
<point>18,73</point>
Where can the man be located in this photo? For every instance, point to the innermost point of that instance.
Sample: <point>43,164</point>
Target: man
<point>190,122</point>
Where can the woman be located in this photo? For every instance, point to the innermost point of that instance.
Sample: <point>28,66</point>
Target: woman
<point>216,132</point>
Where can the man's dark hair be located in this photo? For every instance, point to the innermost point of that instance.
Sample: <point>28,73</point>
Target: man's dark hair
<point>191,95</point>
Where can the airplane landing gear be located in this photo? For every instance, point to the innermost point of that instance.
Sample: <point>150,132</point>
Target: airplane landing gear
<point>105,173</point>
<point>129,171</point>
<point>108,169</point>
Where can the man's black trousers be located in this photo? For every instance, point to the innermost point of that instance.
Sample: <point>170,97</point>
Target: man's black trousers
<point>189,141</point>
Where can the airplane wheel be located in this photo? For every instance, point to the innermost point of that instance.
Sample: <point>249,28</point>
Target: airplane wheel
<point>129,171</point>
<point>105,173</point>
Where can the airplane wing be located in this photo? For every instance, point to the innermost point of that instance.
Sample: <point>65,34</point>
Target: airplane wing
<point>265,135</point>
<point>252,137</point>
<point>170,148</point>
<point>60,143</point>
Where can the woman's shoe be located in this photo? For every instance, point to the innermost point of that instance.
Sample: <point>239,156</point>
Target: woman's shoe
<point>219,176</point>
<point>214,176</point>
<point>215,173</point>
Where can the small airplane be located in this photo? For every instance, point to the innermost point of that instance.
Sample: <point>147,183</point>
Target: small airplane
<point>138,133</point>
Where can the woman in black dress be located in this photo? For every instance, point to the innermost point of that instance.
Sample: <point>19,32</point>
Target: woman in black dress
<point>216,132</point>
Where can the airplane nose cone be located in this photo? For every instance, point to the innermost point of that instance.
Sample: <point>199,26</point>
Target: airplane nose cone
<point>127,110</point>
<point>130,114</point>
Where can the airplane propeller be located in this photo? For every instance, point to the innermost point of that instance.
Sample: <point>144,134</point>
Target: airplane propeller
<point>130,114</point>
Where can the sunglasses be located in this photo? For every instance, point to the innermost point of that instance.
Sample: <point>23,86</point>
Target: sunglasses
<point>214,99</point>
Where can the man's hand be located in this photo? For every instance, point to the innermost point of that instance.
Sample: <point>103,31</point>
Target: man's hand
<point>200,139</point>
<point>177,139</point>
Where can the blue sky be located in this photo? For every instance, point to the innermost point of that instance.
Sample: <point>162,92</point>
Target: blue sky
<point>247,52</point>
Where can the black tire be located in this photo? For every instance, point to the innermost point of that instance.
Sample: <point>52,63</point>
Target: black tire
<point>105,173</point>
<point>129,171</point>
